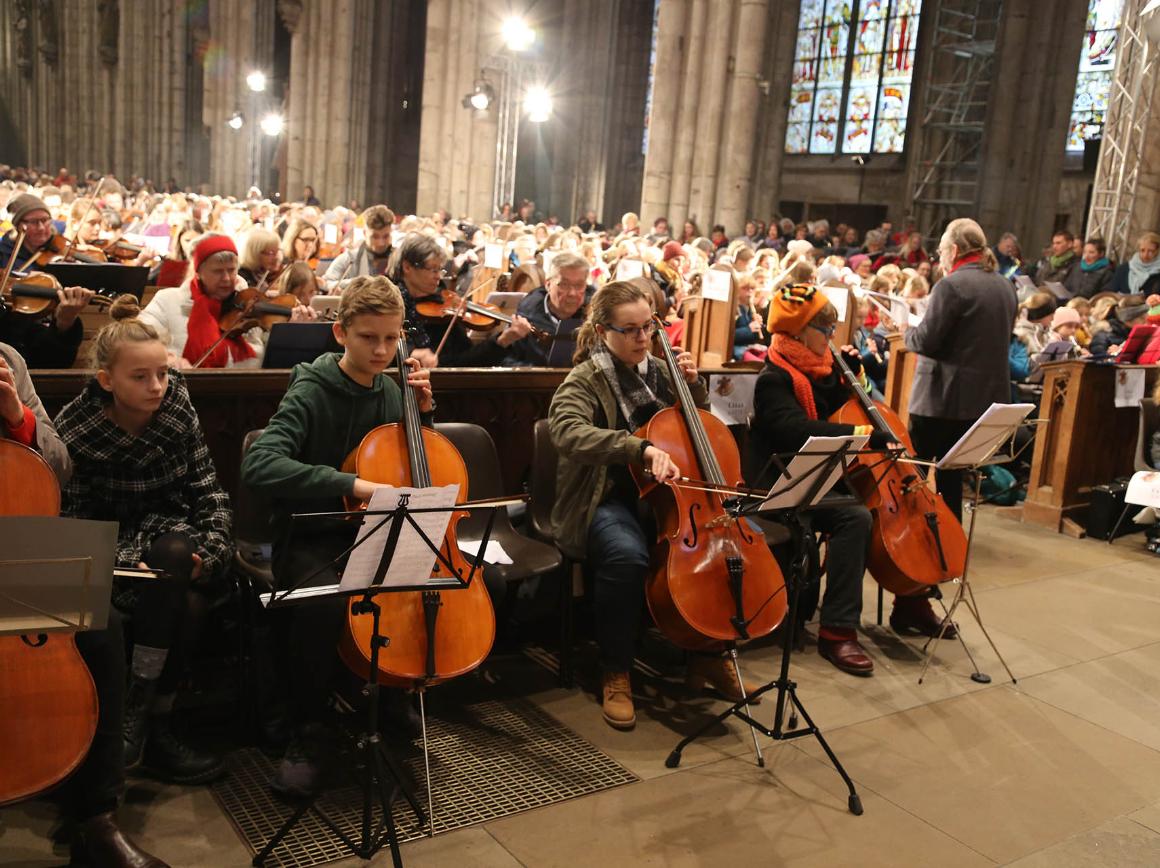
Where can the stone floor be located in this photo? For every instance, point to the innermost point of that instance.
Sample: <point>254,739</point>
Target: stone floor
<point>1061,769</point>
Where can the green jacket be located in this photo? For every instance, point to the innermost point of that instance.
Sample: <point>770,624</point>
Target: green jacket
<point>579,421</point>
<point>322,417</point>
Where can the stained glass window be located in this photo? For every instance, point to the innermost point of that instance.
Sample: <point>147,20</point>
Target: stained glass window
<point>1097,61</point>
<point>850,89</point>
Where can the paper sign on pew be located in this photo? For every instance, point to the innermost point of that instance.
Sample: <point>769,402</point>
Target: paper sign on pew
<point>546,260</point>
<point>330,233</point>
<point>159,244</point>
<point>731,397</point>
<point>627,269</point>
<point>358,235</point>
<point>493,256</point>
<point>717,285</point>
<point>1129,387</point>
<point>839,297</point>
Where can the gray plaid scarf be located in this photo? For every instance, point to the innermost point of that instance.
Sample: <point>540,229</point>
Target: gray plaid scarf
<point>639,398</point>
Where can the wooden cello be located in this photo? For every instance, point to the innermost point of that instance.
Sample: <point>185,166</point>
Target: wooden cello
<point>712,578</point>
<point>434,636</point>
<point>916,541</point>
<point>46,691</point>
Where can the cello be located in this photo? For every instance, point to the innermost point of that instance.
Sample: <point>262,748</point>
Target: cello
<point>48,695</point>
<point>712,579</point>
<point>433,636</point>
<point>916,541</point>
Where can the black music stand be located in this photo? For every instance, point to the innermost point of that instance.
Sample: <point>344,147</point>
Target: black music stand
<point>379,768</point>
<point>809,487</point>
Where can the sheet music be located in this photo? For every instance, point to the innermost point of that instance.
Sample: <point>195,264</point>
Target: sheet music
<point>986,436</point>
<point>783,496</point>
<point>413,558</point>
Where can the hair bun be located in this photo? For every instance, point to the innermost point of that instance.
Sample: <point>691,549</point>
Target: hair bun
<point>125,306</point>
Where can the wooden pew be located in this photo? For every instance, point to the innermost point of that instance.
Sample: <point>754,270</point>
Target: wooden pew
<point>899,377</point>
<point>1086,441</point>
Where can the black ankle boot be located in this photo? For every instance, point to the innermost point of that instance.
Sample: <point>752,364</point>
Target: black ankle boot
<point>100,843</point>
<point>173,760</point>
<point>135,722</point>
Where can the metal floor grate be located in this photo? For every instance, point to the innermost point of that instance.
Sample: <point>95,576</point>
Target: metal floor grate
<point>489,759</point>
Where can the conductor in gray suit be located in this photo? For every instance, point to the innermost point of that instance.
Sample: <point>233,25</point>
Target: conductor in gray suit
<point>962,345</point>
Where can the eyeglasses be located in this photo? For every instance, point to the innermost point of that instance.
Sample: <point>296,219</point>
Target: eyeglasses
<point>633,332</point>
<point>309,239</point>
<point>828,331</point>
<point>566,286</point>
<point>39,221</point>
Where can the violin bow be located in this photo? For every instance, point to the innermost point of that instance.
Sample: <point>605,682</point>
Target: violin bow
<point>454,319</point>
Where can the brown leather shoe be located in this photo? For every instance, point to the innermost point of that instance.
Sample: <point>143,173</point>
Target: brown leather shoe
<point>720,673</point>
<point>106,846</point>
<point>618,709</point>
<point>847,655</point>
<point>914,616</point>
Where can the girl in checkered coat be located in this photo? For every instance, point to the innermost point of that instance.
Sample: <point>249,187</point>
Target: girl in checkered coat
<point>140,459</point>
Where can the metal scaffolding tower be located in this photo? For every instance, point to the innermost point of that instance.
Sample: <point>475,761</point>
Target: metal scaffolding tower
<point>1122,148</point>
<point>959,76</point>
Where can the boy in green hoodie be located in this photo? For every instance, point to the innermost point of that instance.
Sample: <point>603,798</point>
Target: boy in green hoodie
<point>328,408</point>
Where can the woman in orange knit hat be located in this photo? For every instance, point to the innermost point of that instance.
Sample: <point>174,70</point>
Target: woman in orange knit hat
<point>796,393</point>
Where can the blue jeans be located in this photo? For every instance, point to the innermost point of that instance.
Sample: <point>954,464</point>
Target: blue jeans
<point>618,558</point>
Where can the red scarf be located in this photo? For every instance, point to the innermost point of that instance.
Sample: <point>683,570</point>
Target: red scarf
<point>203,330</point>
<point>966,260</point>
<point>802,365</point>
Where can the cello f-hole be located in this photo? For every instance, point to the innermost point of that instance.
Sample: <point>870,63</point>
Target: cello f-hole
<point>693,507</point>
<point>39,640</point>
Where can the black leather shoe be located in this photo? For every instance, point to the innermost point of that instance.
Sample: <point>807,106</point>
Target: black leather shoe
<point>847,655</point>
<point>915,617</point>
<point>102,844</point>
<point>171,759</point>
<point>135,719</point>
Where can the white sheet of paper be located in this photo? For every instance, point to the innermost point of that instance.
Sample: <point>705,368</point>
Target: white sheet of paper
<point>397,237</point>
<point>546,260</point>
<point>716,285</point>
<point>986,436</point>
<point>900,311</point>
<point>839,297</point>
<point>1144,489</point>
<point>493,554</point>
<point>731,397</point>
<point>159,244</point>
<point>413,559</point>
<point>627,269</point>
<point>782,496</point>
<point>330,233</point>
<point>1058,290</point>
<point>358,235</point>
<point>493,256</point>
<point>1129,387</point>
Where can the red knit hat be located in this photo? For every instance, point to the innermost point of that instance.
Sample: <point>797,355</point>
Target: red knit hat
<point>207,247</point>
<point>672,250</point>
<point>793,307</point>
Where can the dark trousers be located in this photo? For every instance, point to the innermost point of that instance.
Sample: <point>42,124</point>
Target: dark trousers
<point>849,531</point>
<point>96,785</point>
<point>933,437</point>
<point>618,557</point>
<point>161,607</point>
<point>308,631</point>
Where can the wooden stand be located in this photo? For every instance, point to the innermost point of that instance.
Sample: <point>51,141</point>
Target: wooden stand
<point>900,376</point>
<point>1086,441</point>
<point>709,327</point>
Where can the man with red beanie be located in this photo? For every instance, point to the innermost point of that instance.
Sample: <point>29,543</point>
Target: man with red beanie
<point>188,314</point>
<point>796,393</point>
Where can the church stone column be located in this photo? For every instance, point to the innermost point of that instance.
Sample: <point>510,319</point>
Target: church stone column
<point>666,103</point>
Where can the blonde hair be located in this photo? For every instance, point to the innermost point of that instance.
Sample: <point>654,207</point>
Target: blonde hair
<point>1150,238</point>
<point>257,240</point>
<point>369,295</point>
<point>293,277</point>
<point>604,302</point>
<point>968,236</point>
<point>297,227</point>
<point>125,328</point>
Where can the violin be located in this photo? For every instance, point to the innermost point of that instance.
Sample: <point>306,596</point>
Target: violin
<point>435,636</point>
<point>246,309</point>
<point>443,305</point>
<point>916,541</point>
<point>120,250</point>
<point>60,249</point>
<point>48,695</point>
<point>35,294</point>
<point>712,579</point>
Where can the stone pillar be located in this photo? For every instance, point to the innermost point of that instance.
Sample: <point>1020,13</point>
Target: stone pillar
<point>656,189</point>
<point>765,192</point>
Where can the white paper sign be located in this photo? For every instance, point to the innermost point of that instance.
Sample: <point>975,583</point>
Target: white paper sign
<point>1144,489</point>
<point>839,297</point>
<point>413,558</point>
<point>546,260</point>
<point>330,233</point>
<point>900,311</point>
<point>717,285</point>
<point>358,235</point>
<point>627,269</point>
<point>397,236</point>
<point>493,256</point>
<point>1129,387</point>
<point>731,397</point>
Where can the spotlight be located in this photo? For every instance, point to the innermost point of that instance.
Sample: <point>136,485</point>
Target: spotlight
<point>517,35</point>
<point>538,104</point>
<point>480,98</point>
<point>237,121</point>
<point>272,124</point>
<point>256,81</point>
